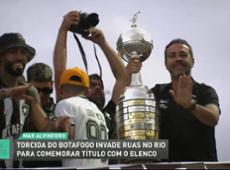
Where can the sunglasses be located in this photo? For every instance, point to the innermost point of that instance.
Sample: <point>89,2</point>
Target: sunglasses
<point>45,90</point>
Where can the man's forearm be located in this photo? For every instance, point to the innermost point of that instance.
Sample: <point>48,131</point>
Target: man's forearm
<point>39,118</point>
<point>50,126</point>
<point>114,60</point>
<point>208,115</point>
<point>4,93</point>
<point>59,59</point>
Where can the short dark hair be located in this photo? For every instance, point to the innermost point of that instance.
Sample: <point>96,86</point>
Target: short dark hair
<point>179,41</point>
<point>97,77</point>
<point>39,72</point>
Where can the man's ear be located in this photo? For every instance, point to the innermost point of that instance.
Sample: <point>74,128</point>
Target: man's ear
<point>166,64</point>
<point>193,62</point>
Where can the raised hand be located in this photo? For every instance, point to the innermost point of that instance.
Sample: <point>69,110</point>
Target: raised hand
<point>71,18</point>
<point>96,35</point>
<point>182,93</point>
<point>133,66</point>
<point>18,92</point>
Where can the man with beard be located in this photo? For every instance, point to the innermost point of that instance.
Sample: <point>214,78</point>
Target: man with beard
<point>189,111</point>
<point>96,89</point>
<point>19,101</point>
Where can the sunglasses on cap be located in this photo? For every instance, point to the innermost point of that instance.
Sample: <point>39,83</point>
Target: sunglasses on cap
<point>45,90</point>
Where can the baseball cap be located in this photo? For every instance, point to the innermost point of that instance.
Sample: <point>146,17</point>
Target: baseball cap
<point>12,40</point>
<point>75,76</point>
<point>40,72</point>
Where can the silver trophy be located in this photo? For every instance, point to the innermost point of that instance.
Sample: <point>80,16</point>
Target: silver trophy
<point>136,114</point>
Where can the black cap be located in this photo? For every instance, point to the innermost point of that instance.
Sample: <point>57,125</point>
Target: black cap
<point>12,40</point>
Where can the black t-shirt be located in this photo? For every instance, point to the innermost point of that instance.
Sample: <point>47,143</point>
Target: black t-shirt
<point>189,139</point>
<point>110,118</point>
<point>109,112</point>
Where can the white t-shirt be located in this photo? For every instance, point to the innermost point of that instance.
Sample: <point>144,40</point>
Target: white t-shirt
<point>89,124</point>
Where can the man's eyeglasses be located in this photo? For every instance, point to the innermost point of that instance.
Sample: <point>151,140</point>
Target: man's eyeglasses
<point>45,90</point>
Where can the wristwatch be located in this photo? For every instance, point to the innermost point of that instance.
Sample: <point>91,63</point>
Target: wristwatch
<point>193,105</point>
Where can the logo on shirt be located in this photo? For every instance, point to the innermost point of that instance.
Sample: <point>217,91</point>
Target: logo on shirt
<point>163,104</point>
<point>25,109</point>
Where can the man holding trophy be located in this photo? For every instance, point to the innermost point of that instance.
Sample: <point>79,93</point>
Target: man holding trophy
<point>185,112</point>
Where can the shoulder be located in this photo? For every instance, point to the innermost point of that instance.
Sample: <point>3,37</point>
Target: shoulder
<point>66,106</point>
<point>71,100</point>
<point>205,94</point>
<point>202,88</point>
<point>110,106</point>
<point>65,103</point>
<point>160,88</point>
<point>62,102</point>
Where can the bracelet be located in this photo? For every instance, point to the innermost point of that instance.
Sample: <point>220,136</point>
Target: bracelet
<point>193,105</point>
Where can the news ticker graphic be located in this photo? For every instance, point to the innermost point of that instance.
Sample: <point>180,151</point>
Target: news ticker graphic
<point>48,136</point>
<point>109,149</point>
<point>4,149</point>
<point>53,145</point>
<point>44,136</point>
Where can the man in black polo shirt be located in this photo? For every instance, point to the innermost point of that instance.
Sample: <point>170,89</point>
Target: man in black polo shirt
<point>189,111</point>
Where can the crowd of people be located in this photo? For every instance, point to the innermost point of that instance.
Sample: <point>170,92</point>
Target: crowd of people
<point>189,111</point>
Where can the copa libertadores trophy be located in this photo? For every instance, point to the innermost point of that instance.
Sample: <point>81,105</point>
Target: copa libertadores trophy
<point>136,114</point>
